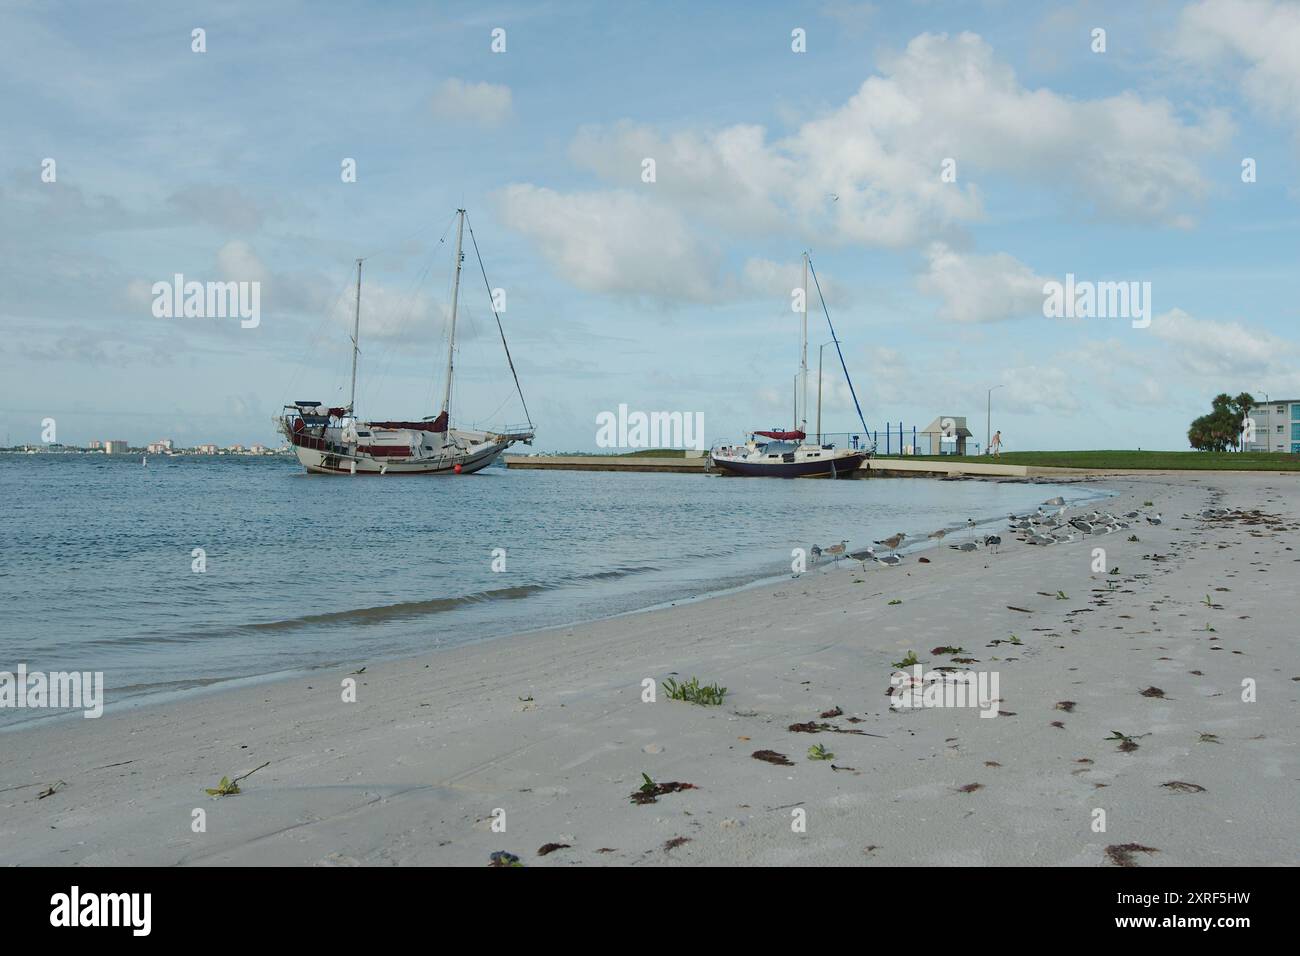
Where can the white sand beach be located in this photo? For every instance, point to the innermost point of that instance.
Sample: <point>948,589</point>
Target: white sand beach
<point>551,727</point>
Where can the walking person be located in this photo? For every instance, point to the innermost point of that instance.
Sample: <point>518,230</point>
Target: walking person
<point>995,444</point>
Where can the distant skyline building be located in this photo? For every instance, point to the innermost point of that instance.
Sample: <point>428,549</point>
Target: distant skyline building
<point>115,447</point>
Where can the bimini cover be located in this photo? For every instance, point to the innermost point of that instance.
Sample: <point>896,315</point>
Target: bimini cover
<point>784,436</point>
<point>439,424</point>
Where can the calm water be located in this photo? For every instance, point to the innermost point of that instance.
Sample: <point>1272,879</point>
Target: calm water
<point>96,567</point>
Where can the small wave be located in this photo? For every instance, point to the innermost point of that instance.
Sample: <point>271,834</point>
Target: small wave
<point>614,573</point>
<point>403,610</point>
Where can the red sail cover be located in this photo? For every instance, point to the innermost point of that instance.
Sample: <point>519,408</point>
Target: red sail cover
<point>439,424</point>
<point>783,436</point>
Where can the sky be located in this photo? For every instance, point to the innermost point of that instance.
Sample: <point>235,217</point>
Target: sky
<point>942,163</point>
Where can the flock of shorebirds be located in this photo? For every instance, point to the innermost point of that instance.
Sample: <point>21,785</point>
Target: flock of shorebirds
<point>1039,528</point>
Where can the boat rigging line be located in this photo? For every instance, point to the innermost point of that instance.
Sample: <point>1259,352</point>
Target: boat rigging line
<point>501,330</point>
<point>835,338</point>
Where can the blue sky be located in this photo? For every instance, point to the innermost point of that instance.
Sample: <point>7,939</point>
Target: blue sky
<point>667,296</point>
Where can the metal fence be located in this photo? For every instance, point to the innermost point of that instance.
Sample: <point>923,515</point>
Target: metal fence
<point>899,438</point>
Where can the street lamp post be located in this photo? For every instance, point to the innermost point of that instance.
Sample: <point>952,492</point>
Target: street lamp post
<point>988,417</point>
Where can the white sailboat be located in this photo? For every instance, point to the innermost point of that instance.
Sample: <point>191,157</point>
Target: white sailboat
<point>333,441</point>
<point>788,453</point>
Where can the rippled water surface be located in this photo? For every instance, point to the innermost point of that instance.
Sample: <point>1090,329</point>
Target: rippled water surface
<point>96,566</point>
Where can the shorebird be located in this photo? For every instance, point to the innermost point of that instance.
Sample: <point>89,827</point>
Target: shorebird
<point>992,541</point>
<point>1156,520</point>
<point>836,551</point>
<point>888,560</point>
<point>937,535</point>
<point>893,541</point>
<point>816,552</point>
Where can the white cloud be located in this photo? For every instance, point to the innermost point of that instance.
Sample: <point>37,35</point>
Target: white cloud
<point>981,288</point>
<point>1229,355</point>
<point>238,262</point>
<point>1261,35</point>
<point>487,104</point>
<point>868,172</point>
<point>614,242</point>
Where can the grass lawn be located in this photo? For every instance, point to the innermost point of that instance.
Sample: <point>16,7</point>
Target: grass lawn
<point>1153,460</point>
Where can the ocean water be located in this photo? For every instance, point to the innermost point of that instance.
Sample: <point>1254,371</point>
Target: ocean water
<point>96,556</point>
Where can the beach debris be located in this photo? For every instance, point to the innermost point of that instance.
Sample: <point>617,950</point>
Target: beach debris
<point>502,858</point>
<point>1128,743</point>
<point>818,752</point>
<point>52,789</point>
<point>992,763</point>
<point>922,560</point>
<point>675,842</point>
<point>947,649</point>
<point>1152,692</point>
<point>833,712</point>
<point>694,693</point>
<point>361,671</point>
<point>1154,519</point>
<point>895,601</point>
<point>908,661</point>
<point>650,792</point>
<point>1058,725</point>
<point>1065,705</point>
<point>970,788</point>
<point>1062,596</point>
<point>1058,500</point>
<point>1209,739</point>
<point>1121,854</point>
<point>1133,538</point>
<point>228,787</point>
<point>853,769</point>
<point>1022,610</point>
<point>546,848</point>
<point>812,727</point>
<point>1181,786</point>
<point>771,756</point>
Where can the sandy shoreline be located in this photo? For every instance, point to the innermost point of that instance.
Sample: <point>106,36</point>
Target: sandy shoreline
<point>552,729</point>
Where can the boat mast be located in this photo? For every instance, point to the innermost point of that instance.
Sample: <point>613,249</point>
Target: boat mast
<point>356,337</point>
<point>455,295</point>
<point>803,361</point>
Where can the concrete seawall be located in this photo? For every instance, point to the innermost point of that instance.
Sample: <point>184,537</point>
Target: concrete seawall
<point>876,467</point>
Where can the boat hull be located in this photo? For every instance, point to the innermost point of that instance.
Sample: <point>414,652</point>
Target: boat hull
<point>327,463</point>
<point>842,467</point>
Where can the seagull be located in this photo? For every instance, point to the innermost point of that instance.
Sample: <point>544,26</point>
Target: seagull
<point>893,542</point>
<point>992,541</point>
<point>964,546</point>
<point>816,552</point>
<point>888,560</point>
<point>1081,525</point>
<point>1156,520</point>
<point>836,551</point>
<point>1035,538</point>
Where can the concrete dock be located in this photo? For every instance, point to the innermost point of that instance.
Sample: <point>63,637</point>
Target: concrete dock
<point>874,467</point>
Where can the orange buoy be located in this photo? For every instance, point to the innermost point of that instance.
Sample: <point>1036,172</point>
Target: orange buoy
<point>457,468</point>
